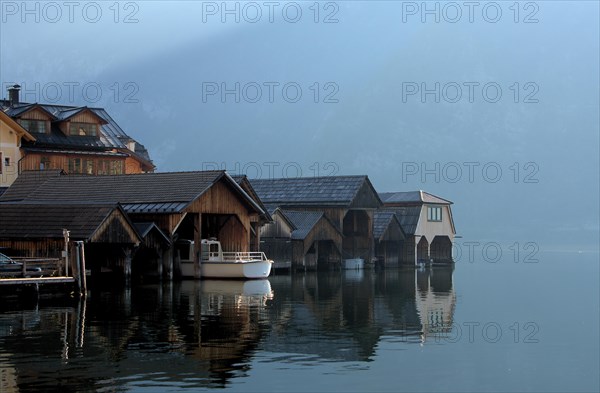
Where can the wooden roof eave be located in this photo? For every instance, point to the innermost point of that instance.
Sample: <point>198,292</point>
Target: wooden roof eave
<point>17,127</point>
<point>118,208</point>
<point>280,212</point>
<point>84,109</point>
<point>370,185</point>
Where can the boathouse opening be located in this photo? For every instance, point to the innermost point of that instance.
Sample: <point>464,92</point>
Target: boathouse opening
<point>357,235</point>
<point>441,249</point>
<point>423,250</point>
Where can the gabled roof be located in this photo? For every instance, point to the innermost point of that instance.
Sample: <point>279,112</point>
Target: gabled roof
<point>47,220</point>
<point>242,181</point>
<point>408,216</point>
<point>382,219</point>
<point>338,191</point>
<point>411,197</point>
<point>163,192</point>
<point>111,135</point>
<point>144,228</point>
<point>67,114</point>
<point>18,110</point>
<point>303,222</point>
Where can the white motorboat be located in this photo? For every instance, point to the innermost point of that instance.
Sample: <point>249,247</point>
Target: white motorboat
<point>215,263</point>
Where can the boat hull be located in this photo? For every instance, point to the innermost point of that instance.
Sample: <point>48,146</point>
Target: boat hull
<point>249,269</point>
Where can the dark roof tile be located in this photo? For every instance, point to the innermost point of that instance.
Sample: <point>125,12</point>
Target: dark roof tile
<point>309,191</point>
<point>304,221</point>
<point>26,220</point>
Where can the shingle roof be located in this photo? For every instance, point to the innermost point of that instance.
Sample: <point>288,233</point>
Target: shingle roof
<point>408,217</point>
<point>411,197</point>
<point>163,192</point>
<point>27,184</point>
<point>26,220</point>
<point>304,221</point>
<point>309,191</point>
<point>2,190</point>
<point>382,220</point>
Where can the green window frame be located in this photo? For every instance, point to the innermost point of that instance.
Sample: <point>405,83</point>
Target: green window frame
<point>434,213</point>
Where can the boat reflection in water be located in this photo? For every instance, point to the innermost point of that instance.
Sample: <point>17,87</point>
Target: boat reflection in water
<point>212,333</point>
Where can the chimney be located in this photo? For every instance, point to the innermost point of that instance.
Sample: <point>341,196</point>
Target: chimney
<point>13,94</point>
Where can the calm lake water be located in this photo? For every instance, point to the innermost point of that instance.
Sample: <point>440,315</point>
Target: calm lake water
<point>481,326</point>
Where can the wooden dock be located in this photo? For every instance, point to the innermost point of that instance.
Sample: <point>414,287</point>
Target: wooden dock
<point>37,281</point>
<point>52,271</point>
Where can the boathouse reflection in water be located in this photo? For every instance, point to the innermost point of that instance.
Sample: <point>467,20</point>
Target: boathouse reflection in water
<point>206,333</point>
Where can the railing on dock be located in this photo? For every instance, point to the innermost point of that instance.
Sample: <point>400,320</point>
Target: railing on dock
<point>38,271</point>
<point>48,267</point>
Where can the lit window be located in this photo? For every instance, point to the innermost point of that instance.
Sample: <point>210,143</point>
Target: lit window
<point>116,167</point>
<point>34,126</point>
<point>83,129</point>
<point>89,167</point>
<point>434,213</point>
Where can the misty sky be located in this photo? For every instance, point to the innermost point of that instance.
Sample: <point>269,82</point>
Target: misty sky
<point>494,106</point>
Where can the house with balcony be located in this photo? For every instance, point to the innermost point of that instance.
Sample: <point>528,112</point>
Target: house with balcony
<point>78,140</point>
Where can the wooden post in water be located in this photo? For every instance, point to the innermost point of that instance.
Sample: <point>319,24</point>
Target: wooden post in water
<point>66,251</point>
<point>79,268</point>
<point>197,245</point>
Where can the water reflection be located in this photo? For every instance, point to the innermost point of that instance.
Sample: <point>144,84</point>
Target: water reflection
<point>207,333</point>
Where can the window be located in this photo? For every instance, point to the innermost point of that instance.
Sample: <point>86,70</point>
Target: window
<point>110,167</point>
<point>116,167</point>
<point>89,167</point>
<point>434,213</point>
<point>44,163</point>
<point>6,161</point>
<point>83,129</point>
<point>74,165</point>
<point>34,126</point>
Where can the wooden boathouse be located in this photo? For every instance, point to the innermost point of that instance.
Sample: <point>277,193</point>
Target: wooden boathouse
<point>181,205</point>
<point>427,223</point>
<point>348,203</point>
<point>304,239</point>
<point>34,233</point>
<point>389,238</point>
